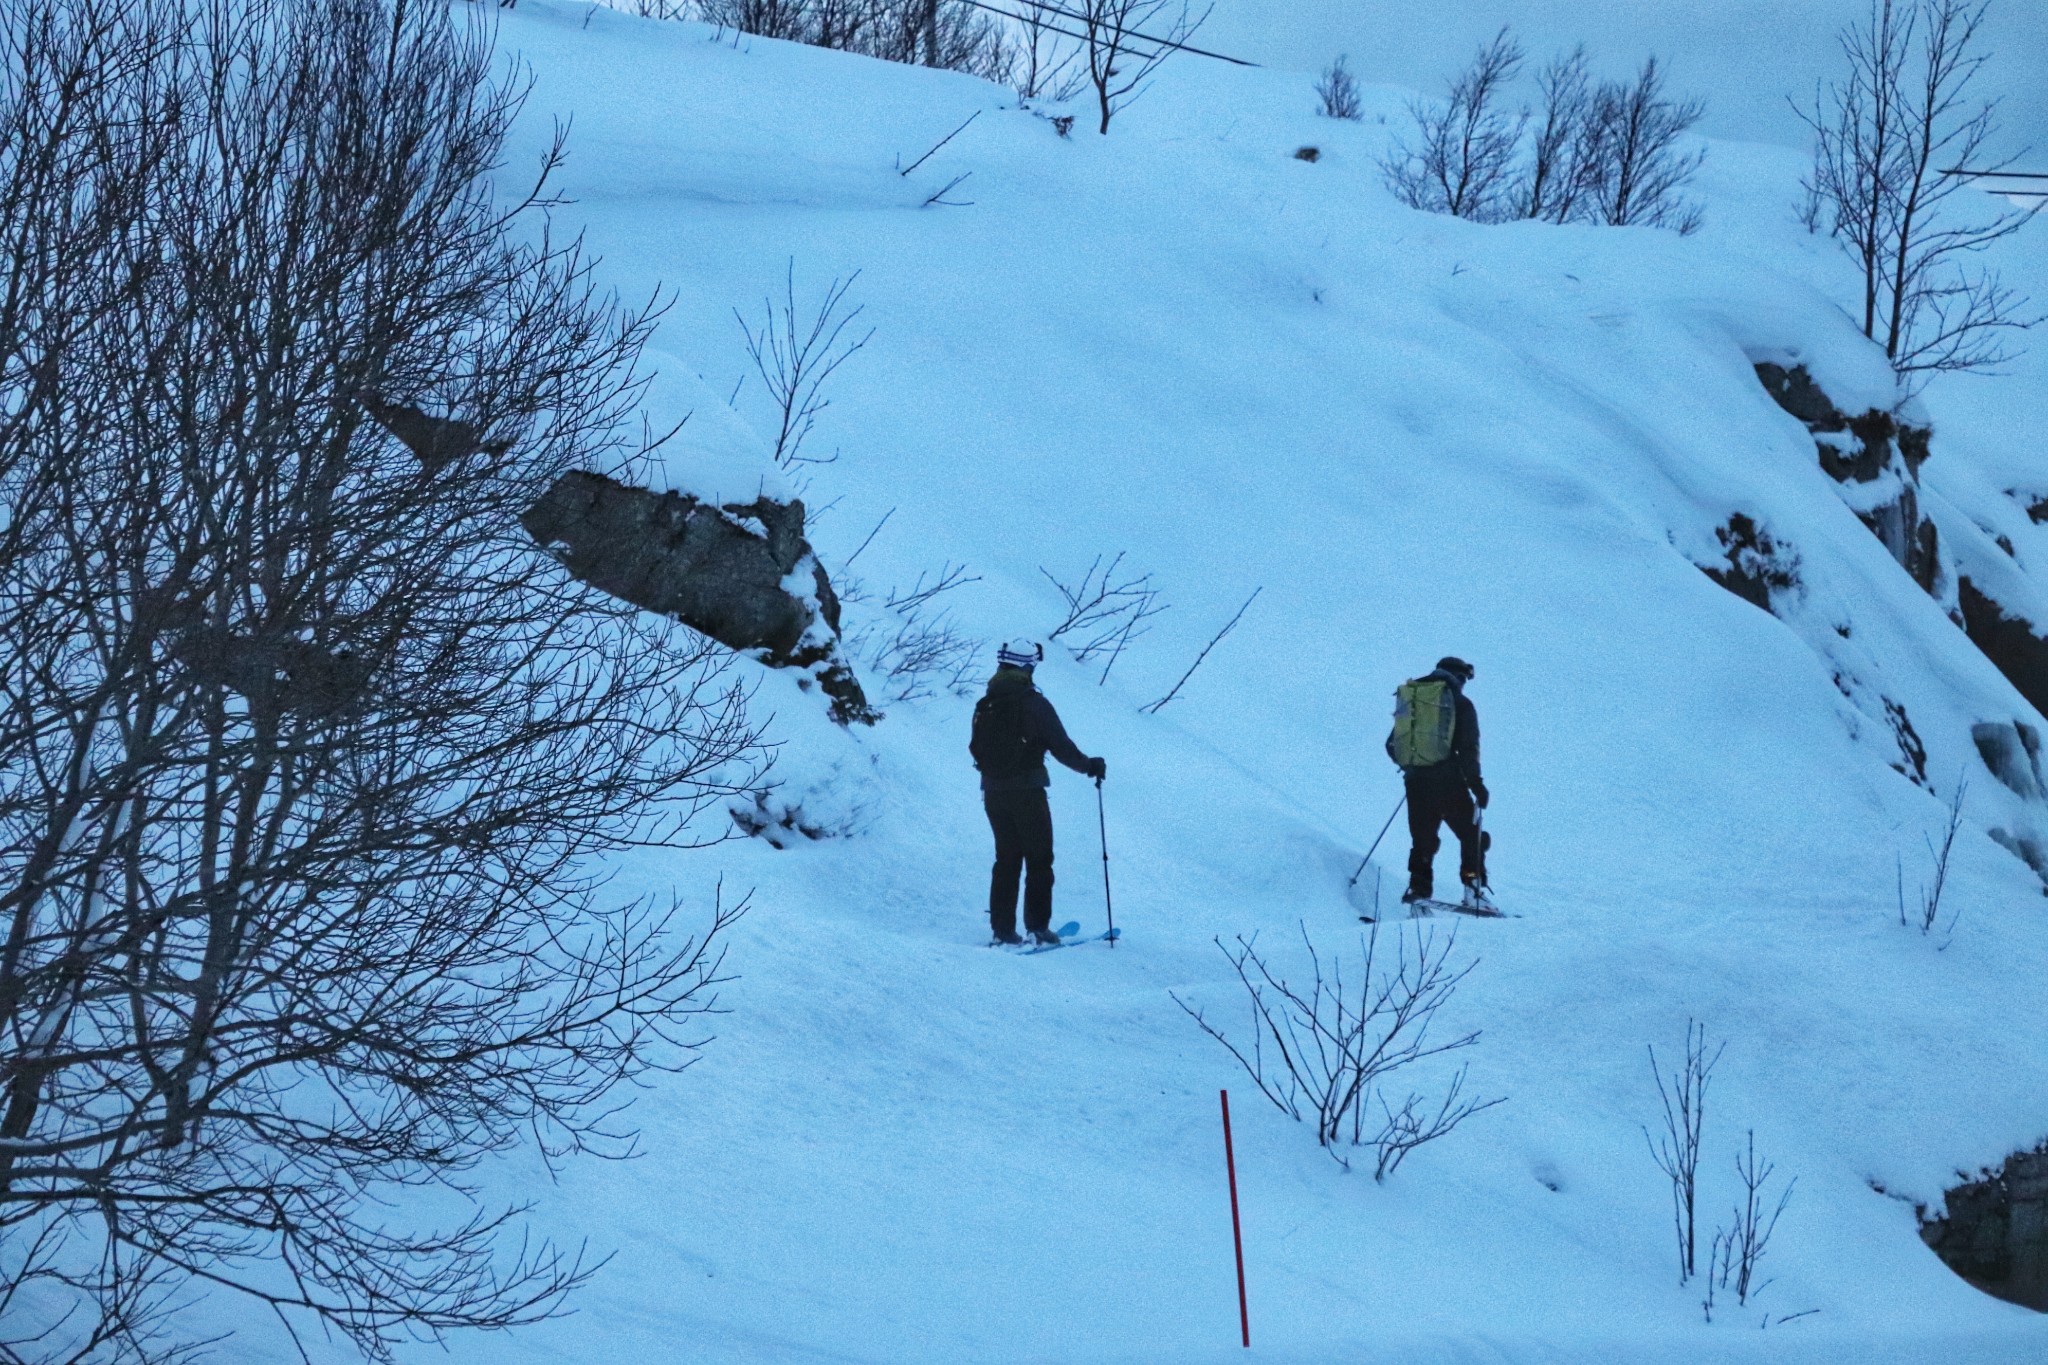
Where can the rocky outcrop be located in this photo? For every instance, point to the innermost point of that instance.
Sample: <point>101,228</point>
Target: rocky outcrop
<point>2008,640</point>
<point>1994,1231</point>
<point>761,592</point>
<point>1876,458</point>
<point>1757,565</point>
<point>2012,751</point>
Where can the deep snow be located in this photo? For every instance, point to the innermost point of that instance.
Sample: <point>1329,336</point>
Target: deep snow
<point>1418,437</point>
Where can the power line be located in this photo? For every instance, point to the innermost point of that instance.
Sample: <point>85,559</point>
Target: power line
<point>1119,31</point>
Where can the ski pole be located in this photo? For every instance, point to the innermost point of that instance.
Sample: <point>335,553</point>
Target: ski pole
<point>1244,1316</point>
<point>1102,829</point>
<point>1376,843</point>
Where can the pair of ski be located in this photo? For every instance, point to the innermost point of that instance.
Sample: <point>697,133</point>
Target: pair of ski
<point>1478,909</point>
<point>1070,934</point>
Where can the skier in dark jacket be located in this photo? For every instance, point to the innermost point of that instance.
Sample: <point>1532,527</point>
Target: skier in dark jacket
<point>1444,793</point>
<point>1015,727</point>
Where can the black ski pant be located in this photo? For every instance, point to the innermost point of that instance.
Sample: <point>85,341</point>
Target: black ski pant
<point>1438,796</point>
<point>1022,821</point>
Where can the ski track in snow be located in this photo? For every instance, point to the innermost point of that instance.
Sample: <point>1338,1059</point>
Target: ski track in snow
<point>1418,437</point>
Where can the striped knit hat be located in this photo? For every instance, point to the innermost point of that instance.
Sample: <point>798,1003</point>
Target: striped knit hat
<point>1024,654</point>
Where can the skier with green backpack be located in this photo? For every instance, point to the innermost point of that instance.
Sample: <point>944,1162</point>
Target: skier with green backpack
<point>1435,741</point>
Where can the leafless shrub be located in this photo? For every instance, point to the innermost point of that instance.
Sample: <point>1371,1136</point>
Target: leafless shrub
<point>1596,152</point>
<point>1338,92</point>
<point>1125,41</point>
<point>1677,1149</point>
<point>921,654</point>
<point>1738,1251</point>
<point>792,20</point>
<point>794,354</point>
<point>1629,160</point>
<point>913,650</point>
<point>1926,910</point>
<point>1463,162</point>
<point>1886,139</point>
<point>1336,1049</point>
<point>1105,611</point>
<point>945,33</point>
<point>305,750</point>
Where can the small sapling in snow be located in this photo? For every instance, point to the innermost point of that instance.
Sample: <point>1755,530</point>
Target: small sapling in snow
<point>1925,911</point>
<point>1677,1149</point>
<point>1338,91</point>
<point>1335,1049</point>
<point>1738,1251</point>
<point>794,354</point>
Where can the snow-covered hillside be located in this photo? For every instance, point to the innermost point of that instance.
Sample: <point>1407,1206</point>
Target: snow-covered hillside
<point>1416,436</point>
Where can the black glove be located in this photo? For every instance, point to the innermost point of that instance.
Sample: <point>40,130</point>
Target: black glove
<point>1098,768</point>
<point>1479,794</point>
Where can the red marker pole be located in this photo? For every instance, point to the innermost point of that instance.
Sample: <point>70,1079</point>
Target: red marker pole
<point>1244,1317</point>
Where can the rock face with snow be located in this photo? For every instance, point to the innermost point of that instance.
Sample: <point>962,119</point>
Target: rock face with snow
<point>1876,458</point>
<point>1994,1232</point>
<point>760,592</point>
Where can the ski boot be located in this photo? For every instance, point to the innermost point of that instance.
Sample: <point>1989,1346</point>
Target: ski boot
<point>1045,938</point>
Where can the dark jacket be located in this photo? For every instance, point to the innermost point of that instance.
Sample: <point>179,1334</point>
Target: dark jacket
<point>1464,759</point>
<point>1042,729</point>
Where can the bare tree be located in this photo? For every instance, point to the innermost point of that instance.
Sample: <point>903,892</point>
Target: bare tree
<point>1125,41</point>
<point>1048,54</point>
<point>1334,1049</point>
<point>1338,92</point>
<point>1887,136</point>
<point>1104,611</point>
<point>1630,167</point>
<point>795,353</point>
<point>1677,1149</point>
<point>306,751</point>
<point>1463,162</point>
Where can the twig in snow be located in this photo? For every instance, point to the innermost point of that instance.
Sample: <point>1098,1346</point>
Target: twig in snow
<point>1103,614</point>
<point>940,143</point>
<point>941,199</point>
<point>870,540</point>
<point>1228,626</point>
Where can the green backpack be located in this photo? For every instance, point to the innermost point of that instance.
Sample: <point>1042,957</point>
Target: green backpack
<point>1425,716</point>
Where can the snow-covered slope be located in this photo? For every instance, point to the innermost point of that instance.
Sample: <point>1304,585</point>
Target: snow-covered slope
<point>1250,371</point>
